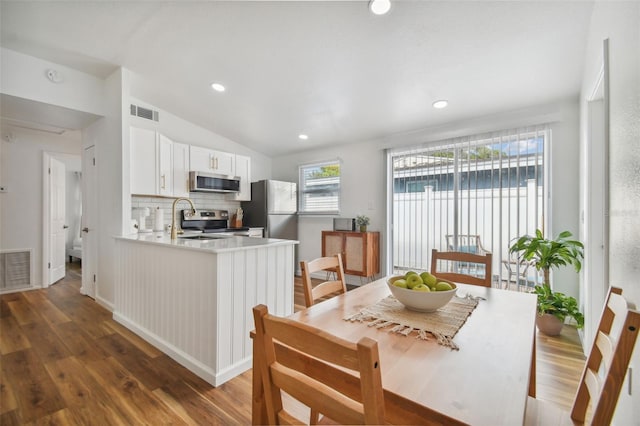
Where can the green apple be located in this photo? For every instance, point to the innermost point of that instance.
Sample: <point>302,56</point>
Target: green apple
<point>421,287</point>
<point>429,279</point>
<point>400,283</point>
<point>413,280</point>
<point>443,286</point>
<point>410,273</point>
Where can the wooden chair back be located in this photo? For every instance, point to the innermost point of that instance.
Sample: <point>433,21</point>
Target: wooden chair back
<point>456,258</point>
<point>330,264</point>
<point>299,375</point>
<point>611,353</point>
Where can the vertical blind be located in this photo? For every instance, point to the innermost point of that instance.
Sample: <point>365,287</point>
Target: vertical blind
<point>475,193</point>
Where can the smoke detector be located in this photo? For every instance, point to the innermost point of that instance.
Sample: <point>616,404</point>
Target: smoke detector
<point>54,76</point>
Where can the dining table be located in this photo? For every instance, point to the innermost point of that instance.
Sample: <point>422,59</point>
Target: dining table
<point>484,379</point>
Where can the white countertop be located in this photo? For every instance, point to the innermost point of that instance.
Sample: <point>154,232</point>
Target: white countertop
<point>218,245</point>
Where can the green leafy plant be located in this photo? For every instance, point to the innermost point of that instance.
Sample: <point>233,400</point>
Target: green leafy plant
<point>548,253</point>
<point>558,305</point>
<point>362,220</point>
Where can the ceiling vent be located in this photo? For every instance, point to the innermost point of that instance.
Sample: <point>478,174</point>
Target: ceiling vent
<point>144,113</point>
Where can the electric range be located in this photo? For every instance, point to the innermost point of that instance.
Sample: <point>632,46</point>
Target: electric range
<point>207,221</point>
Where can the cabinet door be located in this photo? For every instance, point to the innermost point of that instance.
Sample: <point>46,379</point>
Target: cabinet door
<point>180,170</point>
<point>243,170</point>
<point>200,159</point>
<point>332,244</point>
<point>143,164</point>
<point>224,163</point>
<point>165,166</point>
<point>355,253</point>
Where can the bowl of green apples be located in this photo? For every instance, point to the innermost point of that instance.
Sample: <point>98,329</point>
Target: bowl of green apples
<point>422,292</point>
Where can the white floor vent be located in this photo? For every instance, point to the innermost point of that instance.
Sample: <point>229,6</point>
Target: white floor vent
<point>15,269</point>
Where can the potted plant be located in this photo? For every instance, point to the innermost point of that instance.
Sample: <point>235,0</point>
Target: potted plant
<point>553,307</point>
<point>362,221</point>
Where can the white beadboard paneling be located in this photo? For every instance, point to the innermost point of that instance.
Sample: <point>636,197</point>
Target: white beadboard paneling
<point>196,306</point>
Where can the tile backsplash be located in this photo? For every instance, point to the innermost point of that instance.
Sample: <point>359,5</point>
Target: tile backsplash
<point>200,200</point>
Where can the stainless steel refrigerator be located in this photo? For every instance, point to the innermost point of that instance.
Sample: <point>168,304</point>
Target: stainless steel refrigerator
<point>273,206</point>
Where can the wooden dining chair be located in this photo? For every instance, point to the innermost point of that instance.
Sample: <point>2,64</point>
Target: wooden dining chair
<point>604,371</point>
<point>308,368</point>
<point>330,264</point>
<point>456,259</point>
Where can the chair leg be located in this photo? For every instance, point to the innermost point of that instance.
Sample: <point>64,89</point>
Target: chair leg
<point>314,417</point>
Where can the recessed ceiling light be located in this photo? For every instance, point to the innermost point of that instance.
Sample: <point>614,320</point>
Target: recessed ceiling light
<point>441,104</point>
<point>303,136</point>
<point>217,87</point>
<point>379,7</point>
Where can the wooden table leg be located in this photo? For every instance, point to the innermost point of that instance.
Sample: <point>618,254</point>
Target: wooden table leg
<point>532,371</point>
<point>258,406</point>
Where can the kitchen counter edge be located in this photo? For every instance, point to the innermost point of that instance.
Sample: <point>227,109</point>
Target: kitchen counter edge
<point>221,245</point>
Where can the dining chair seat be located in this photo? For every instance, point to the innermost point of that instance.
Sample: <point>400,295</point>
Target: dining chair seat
<point>450,265</point>
<point>604,371</point>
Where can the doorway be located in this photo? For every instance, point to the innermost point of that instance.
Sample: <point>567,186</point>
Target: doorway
<point>61,210</point>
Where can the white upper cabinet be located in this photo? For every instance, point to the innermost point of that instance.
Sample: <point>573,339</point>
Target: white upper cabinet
<point>211,161</point>
<point>165,165</point>
<point>158,166</point>
<point>180,169</point>
<point>243,170</point>
<point>144,165</point>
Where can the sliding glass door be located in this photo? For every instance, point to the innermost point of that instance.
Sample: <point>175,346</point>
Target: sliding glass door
<point>475,194</point>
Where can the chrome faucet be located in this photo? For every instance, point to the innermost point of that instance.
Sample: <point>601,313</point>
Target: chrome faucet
<point>174,226</point>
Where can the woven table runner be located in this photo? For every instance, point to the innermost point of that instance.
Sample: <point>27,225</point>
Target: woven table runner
<point>442,324</point>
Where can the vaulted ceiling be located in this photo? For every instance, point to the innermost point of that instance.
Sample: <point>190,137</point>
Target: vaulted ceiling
<point>329,69</point>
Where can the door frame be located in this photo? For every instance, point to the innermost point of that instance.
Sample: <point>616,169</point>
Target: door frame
<point>595,204</point>
<point>46,207</point>
<point>89,222</point>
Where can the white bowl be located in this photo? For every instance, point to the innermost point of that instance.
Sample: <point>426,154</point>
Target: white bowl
<point>422,301</point>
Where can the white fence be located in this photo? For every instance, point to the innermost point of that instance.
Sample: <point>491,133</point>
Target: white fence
<point>421,221</point>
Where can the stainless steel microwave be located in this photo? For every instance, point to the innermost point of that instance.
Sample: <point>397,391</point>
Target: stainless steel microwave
<point>210,182</point>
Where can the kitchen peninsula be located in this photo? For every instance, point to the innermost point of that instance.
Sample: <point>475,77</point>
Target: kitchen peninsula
<point>192,297</point>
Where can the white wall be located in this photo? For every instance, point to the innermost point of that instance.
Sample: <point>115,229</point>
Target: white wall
<point>362,192</point>
<point>24,76</point>
<point>620,23</point>
<point>364,181</point>
<point>21,206</point>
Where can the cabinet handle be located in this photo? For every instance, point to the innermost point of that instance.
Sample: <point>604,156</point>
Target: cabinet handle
<point>85,229</point>
<point>163,181</point>
<point>211,161</point>
<point>215,162</point>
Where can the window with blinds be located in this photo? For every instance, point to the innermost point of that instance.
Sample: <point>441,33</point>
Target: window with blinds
<point>475,194</point>
<point>319,189</point>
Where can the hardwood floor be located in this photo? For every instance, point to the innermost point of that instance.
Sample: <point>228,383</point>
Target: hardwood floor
<point>65,361</point>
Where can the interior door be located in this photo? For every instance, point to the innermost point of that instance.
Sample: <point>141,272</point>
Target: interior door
<point>89,223</point>
<point>57,228</point>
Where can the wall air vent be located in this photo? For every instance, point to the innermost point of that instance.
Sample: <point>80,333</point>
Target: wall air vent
<point>144,113</point>
<point>15,269</point>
